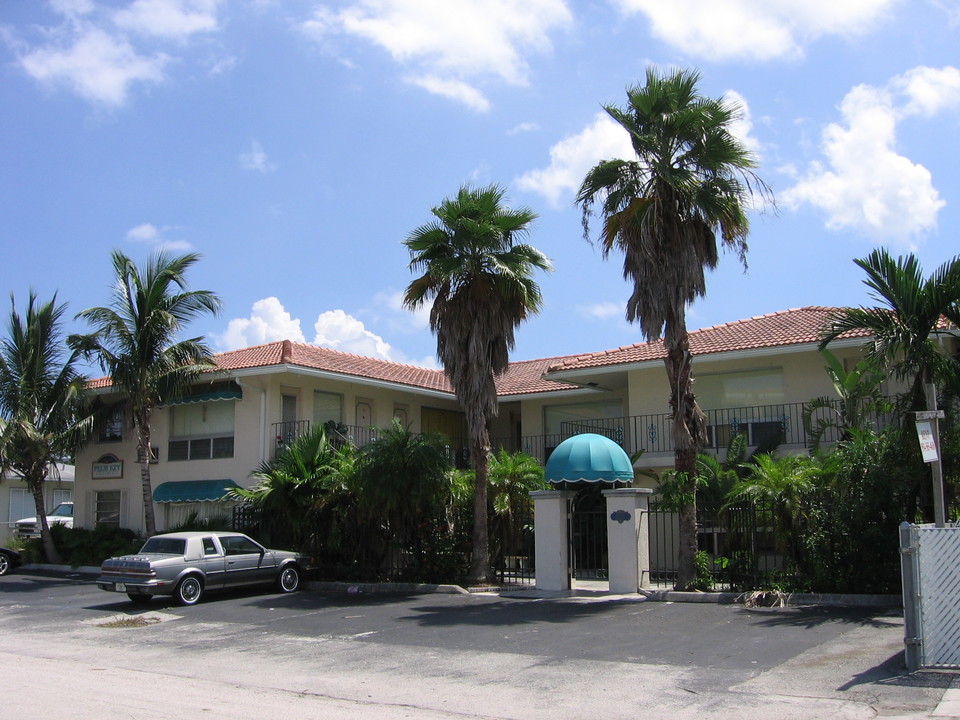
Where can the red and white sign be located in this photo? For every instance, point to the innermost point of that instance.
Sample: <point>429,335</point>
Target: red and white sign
<point>928,443</point>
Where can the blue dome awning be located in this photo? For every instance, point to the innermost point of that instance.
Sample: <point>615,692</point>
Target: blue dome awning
<point>589,458</point>
<point>192,491</point>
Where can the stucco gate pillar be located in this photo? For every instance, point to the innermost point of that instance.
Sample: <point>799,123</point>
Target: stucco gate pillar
<point>628,544</point>
<point>551,546</point>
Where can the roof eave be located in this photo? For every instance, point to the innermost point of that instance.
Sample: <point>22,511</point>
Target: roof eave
<point>576,376</point>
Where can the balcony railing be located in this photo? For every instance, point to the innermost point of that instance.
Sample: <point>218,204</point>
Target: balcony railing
<point>774,425</point>
<point>766,425</point>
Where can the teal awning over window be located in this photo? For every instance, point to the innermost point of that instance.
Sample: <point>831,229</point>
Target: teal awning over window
<point>192,490</point>
<point>588,458</point>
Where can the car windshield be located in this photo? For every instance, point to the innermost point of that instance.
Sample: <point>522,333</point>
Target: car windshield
<point>62,511</point>
<point>164,546</point>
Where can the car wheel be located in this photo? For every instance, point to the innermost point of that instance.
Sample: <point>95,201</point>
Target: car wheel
<point>139,599</point>
<point>5,564</point>
<point>189,590</point>
<point>289,579</point>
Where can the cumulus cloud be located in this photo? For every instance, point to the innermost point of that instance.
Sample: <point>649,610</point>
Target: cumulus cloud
<point>159,237</point>
<point>96,65</point>
<point>340,331</point>
<point>256,159</point>
<point>100,53</point>
<point>170,19</point>
<point>572,157</point>
<point>268,322</point>
<point>863,183</point>
<point>449,46</point>
<point>755,29</point>
<point>602,311</point>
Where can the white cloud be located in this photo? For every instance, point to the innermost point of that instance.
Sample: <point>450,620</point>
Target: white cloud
<point>340,331</point>
<point>150,233</point>
<point>602,311</point>
<point>756,29</point>
<point>97,66</point>
<point>451,42</point>
<point>143,233</point>
<point>170,19</point>
<point>572,157</point>
<point>742,127</point>
<point>864,184</point>
<point>453,89</point>
<point>268,322</point>
<point>256,159</point>
<point>523,127</point>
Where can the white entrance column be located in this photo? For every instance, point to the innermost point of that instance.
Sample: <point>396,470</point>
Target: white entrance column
<point>552,547</point>
<point>628,545</point>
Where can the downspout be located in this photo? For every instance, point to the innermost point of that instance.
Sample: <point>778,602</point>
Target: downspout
<point>263,415</point>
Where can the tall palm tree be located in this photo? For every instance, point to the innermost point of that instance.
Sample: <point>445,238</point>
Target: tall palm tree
<point>479,279</point>
<point>43,418</point>
<point>134,339</point>
<point>907,325</point>
<point>690,182</point>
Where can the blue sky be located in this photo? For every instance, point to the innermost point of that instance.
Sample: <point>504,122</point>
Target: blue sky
<point>296,143</point>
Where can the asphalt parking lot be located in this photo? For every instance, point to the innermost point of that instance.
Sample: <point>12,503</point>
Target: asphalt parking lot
<point>423,656</point>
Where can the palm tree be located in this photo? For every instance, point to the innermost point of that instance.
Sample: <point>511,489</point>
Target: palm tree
<point>479,279</point>
<point>691,181</point>
<point>905,329</point>
<point>134,340</point>
<point>43,418</point>
<point>295,485</point>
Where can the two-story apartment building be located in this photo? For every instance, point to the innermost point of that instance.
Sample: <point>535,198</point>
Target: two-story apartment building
<point>753,376</point>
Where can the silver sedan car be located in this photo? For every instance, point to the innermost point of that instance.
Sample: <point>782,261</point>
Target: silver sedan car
<point>187,564</point>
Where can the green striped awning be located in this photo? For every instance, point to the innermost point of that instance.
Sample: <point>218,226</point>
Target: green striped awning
<point>192,491</point>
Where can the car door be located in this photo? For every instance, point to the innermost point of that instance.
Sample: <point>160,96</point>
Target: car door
<point>213,563</point>
<point>247,563</point>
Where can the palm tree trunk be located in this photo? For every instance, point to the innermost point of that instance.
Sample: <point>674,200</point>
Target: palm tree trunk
<point>480,561</point>
<point>689,435</point>
<point>143,455</point>
<point>35,483</point>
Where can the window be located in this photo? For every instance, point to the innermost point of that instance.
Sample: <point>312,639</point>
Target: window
<point>111,427</point>
<point>201,431</point>
<point>238,545</point>
<point>21,505</point>
<point>597,417</point>
<point>327,407</point>
<point>210,547</point>
<point>107,508</point>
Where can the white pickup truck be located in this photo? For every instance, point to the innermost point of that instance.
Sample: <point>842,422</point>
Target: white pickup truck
<point>62,514</point>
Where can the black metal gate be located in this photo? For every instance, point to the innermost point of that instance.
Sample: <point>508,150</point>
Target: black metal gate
<point>588,535</point>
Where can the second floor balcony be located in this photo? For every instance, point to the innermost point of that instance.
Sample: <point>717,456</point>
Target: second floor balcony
<point>773,426</point>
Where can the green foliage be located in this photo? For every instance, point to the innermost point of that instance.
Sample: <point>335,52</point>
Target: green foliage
<point>136,340</point>
<point>478,276</point>
<point>860,399</point>
<point>84,547</point>
<point>43,416</point>
<point>304,478</point>
<point>704,575</point>
<point>194,521</point>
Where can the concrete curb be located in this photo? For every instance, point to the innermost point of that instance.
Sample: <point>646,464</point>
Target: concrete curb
<point>721,598</point>
<point>385,588</point>
<point>791,599</point>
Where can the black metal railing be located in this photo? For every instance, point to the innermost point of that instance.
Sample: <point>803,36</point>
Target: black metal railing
<point>765,425</point>
<point>740,545</point>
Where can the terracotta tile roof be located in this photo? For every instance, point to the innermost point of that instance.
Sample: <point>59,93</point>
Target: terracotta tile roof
<point>527,377</point>
<point>319,358</point>
<point>521,377</point>
<point>780,329</point>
